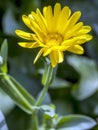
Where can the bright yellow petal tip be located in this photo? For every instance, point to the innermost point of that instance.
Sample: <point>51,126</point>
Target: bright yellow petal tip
<point>55,31</point>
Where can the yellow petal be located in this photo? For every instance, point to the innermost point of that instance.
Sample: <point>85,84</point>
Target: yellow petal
<point>62,18</point>
<point>39,42</point>
<point>69,42</point>
<point>28,44</point>
<point>55,48</point>
<point>47,51</point>
<point>74,30</point>
<point>37,29</point>
<point>25,35</point>
<point>72,21</point>
<point>59,57</point>
<point>33,22</point>
<point>48,14</point>
<point>77,49</point>
<point>84,29</point>
<point>42,18</point>
<point>74,18</point>
<point>77,40</point>
<point>83,38</point>
<point>57,9</point>
<point>38,55</point>
<point>26,21</point>
<point>52,59</point>
<point>40,21</point>
<point>60,48</point>
<point>29,36</point>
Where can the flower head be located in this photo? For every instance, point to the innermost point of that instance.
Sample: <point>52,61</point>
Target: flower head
<point>55,31</point>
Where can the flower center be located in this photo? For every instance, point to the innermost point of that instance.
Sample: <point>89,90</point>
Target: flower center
<point>53,39</point>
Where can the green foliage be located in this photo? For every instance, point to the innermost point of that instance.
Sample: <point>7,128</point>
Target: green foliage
<point>3,54</point>
<point>88,82</point>
<point>77,122</point>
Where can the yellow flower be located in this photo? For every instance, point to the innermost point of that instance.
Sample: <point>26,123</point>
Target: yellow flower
<point>55,31</point>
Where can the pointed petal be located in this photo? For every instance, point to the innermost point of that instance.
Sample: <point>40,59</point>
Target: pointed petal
<point>25,35</point>
<point>62,18</point>
<point>83,38</point>
<point>84,30</point>
<point>48,14</point>
<point>56,57</point>
<point>40,21</point>
<point>77,40</point>
<point>74,18</point>
<point>27,21</point>
<point>52,59</point>
<point>38,55</point>
<point>47,51</point>
<point>69,42</point>
<point>37,30</point>
<point>57,9</point>
<point>42,18</point>
<point>59,57</point>
<point>28,44</point>
<point>47,11</point>
<point>77,49</point>
<point>72,21</point>
<point>74,30</point>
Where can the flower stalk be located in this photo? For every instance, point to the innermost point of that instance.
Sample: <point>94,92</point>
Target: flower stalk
<point>34,123</point>
<point>46,86</point>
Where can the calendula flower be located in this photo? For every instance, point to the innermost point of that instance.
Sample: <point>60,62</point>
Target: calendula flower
<point>55,31</point>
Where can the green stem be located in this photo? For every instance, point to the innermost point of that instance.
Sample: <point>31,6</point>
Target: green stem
<point>34,121</point>
<point>34,124</point>
<point>41,96</point>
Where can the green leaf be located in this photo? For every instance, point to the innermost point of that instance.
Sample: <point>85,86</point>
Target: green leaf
<point>19,95</point>
<point>88,83</point>
<point>4,53</point>
<point>30,98</point>
<point>4,50</point>
<point>75,122</point>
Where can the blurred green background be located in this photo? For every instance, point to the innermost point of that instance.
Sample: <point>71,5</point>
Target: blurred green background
<point>75,90</point>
